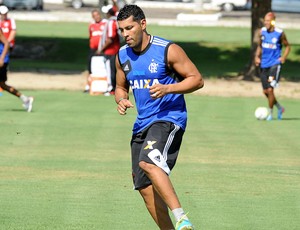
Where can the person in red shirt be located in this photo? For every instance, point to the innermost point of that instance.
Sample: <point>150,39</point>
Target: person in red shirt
<point>8,26</point>
<point>96,28</point>
<point>95,33</point>
<point>110,45</point>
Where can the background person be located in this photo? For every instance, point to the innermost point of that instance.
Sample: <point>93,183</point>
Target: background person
<point>4,60</point>
<point>96,28</point>
<point>8,26</point>
<point>269,58</point>
<point>110,45</point>
<point>146,64</point>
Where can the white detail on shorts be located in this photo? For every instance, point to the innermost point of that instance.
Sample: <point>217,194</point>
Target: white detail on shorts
<point>170,141</point>
<point>274,81</point>
<point>158,159</point>
<point>277,73</point>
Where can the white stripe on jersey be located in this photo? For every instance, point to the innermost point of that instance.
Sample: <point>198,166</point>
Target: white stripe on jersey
<point>275,29</point>
<point>124,47</point>
<point>110,28</point>
<point>160,42</point>
<point>13,24</point>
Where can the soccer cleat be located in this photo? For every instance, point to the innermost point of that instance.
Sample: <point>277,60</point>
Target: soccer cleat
<point>269,117</point>
<point>280,112</point>
<point>28,104</point>
<point>184,224</point>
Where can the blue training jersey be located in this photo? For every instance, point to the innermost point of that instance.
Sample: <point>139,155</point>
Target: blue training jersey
<point>6,59</point>
<point>271,47</point>
<point>145,69</point>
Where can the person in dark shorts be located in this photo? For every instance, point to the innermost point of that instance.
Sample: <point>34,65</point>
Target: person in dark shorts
<point>4,60</point>
<point>269,58</point>
<point>147,65</point>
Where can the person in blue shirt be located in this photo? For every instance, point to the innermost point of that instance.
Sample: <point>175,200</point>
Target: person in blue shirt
<point>4,61</point>
<point>158,72</point>
<point>268,57</point>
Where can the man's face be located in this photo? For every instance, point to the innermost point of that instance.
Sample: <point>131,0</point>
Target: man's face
<point>3,16</point>
<point>132,31</point>
<point>96,16</point>
<point>268,21</point>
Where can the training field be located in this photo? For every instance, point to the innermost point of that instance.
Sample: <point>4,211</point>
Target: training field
<point>66,165</point>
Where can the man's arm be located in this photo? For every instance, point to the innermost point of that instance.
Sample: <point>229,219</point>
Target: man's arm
<point>122,89</point>
<point>287,49</point>
<point>110,35</point>
<point>180,62</point>
<point>257,58</point>
<point>5,49</point>
<point>108,42</point>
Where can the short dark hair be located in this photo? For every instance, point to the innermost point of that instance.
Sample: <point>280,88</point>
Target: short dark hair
<point>131,10</point>
<point>111,12</point>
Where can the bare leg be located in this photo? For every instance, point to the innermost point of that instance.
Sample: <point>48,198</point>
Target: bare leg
<point>162,184</point>
<point>271,97</point>
<point>9,89</point>
<point>157,208</point>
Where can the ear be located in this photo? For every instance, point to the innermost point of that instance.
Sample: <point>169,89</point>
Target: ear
<point>143,24</point>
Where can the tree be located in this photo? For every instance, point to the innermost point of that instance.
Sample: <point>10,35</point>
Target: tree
<point>259,9</point>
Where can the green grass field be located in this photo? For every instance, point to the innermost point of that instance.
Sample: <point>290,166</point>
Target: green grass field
<point>67,165</point>
<point>216,51</point>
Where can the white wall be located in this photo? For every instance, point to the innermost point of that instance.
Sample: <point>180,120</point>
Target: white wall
<point>53,1</point>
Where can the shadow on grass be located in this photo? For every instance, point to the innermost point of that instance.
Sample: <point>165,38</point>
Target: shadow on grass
<point>51,54</point>
<point>229,61</point>
<point>291,119</point>
<point>215,60</point>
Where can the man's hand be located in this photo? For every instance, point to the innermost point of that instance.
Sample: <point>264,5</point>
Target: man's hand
<point>98,52</point>
<point>257,61</point>
<point>282,60</point>
<point>123,105</point>
<point>1,62</point>
<point>158,90</point>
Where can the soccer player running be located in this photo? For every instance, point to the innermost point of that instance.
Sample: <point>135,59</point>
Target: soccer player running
<point>4,61</point>
<point>268,56</point>
<point>146,64</point>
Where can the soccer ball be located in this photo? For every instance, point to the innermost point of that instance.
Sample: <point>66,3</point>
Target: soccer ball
<point>261,113</point>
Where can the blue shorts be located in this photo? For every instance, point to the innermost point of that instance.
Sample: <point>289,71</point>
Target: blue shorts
<point>158,144</point>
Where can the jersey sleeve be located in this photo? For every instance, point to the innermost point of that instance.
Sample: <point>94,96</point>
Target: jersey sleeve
<point>13,24</point>
<point>112,29</point>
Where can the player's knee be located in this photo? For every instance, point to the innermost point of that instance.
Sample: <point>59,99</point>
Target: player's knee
<point>265,92</point>
<point>4,86</point>
<point>143,164</point>
<point>270,91</point>
<point>146,167</point>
